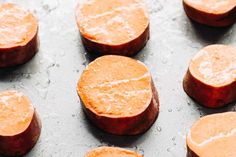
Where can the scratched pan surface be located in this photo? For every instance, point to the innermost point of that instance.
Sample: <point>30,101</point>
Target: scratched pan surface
<point>50,78</point>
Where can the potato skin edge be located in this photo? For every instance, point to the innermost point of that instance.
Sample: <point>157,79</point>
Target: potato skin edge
<point>190,153</point>
<point>127,49</point>
<point>209,19</point>
<point>206,95</point>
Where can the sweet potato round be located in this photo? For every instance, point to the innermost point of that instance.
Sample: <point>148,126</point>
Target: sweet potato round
<point>211,76</point>
<point>19,35</point>
<point>20,125</point>
<point>118,95</point>
<point>113,27</point>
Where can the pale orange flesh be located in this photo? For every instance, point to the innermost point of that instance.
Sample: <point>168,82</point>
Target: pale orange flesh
<point>214,136</point>
<point>115,86</point>
<point>16,113</point>
<point>17,26</point>
<point>111,152</point>
<point>212,6</point>
<point>215,65</point>
<point>112,22</point>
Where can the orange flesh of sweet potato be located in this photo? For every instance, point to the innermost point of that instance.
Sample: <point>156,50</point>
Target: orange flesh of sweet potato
<point>111,151</point>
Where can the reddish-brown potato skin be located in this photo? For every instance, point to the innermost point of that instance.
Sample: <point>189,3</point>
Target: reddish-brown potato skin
<point>214,20</point>
<point>206,95</point>
<point>127,125</point>
<point>190,153</point>
<point>22,143</point>
<point>20,54</point>
<point>126,49</point>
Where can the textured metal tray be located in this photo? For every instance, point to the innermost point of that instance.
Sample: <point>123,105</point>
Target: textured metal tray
<point>50,78</point>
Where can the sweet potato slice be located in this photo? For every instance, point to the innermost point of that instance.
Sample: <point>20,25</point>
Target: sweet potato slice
<point>213,136</point>
<point>211,77</point>
<point>119,27</point>
<point>217,13</point>
<point>18,35</point>
<point>20,125</point>
<point>118,95</point>
<point>112,152</point>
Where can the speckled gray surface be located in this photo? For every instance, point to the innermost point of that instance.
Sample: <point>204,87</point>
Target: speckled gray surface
<point>50,78</point>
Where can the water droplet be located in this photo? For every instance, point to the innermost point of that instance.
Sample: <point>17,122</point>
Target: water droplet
<point>141,151</point>
<point>168,149</point>
<point>188,102</point>
<point>170,110</point>
<point>179,109</point>
<point>62,54</point>
<point>46,7</point>
<point>164,60</point>
<point>41,61</point>
<point>173,139</point>
<point>159,129</point>
<point>84,63</point>
<point>201,114</point>
<point>27,76</point>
